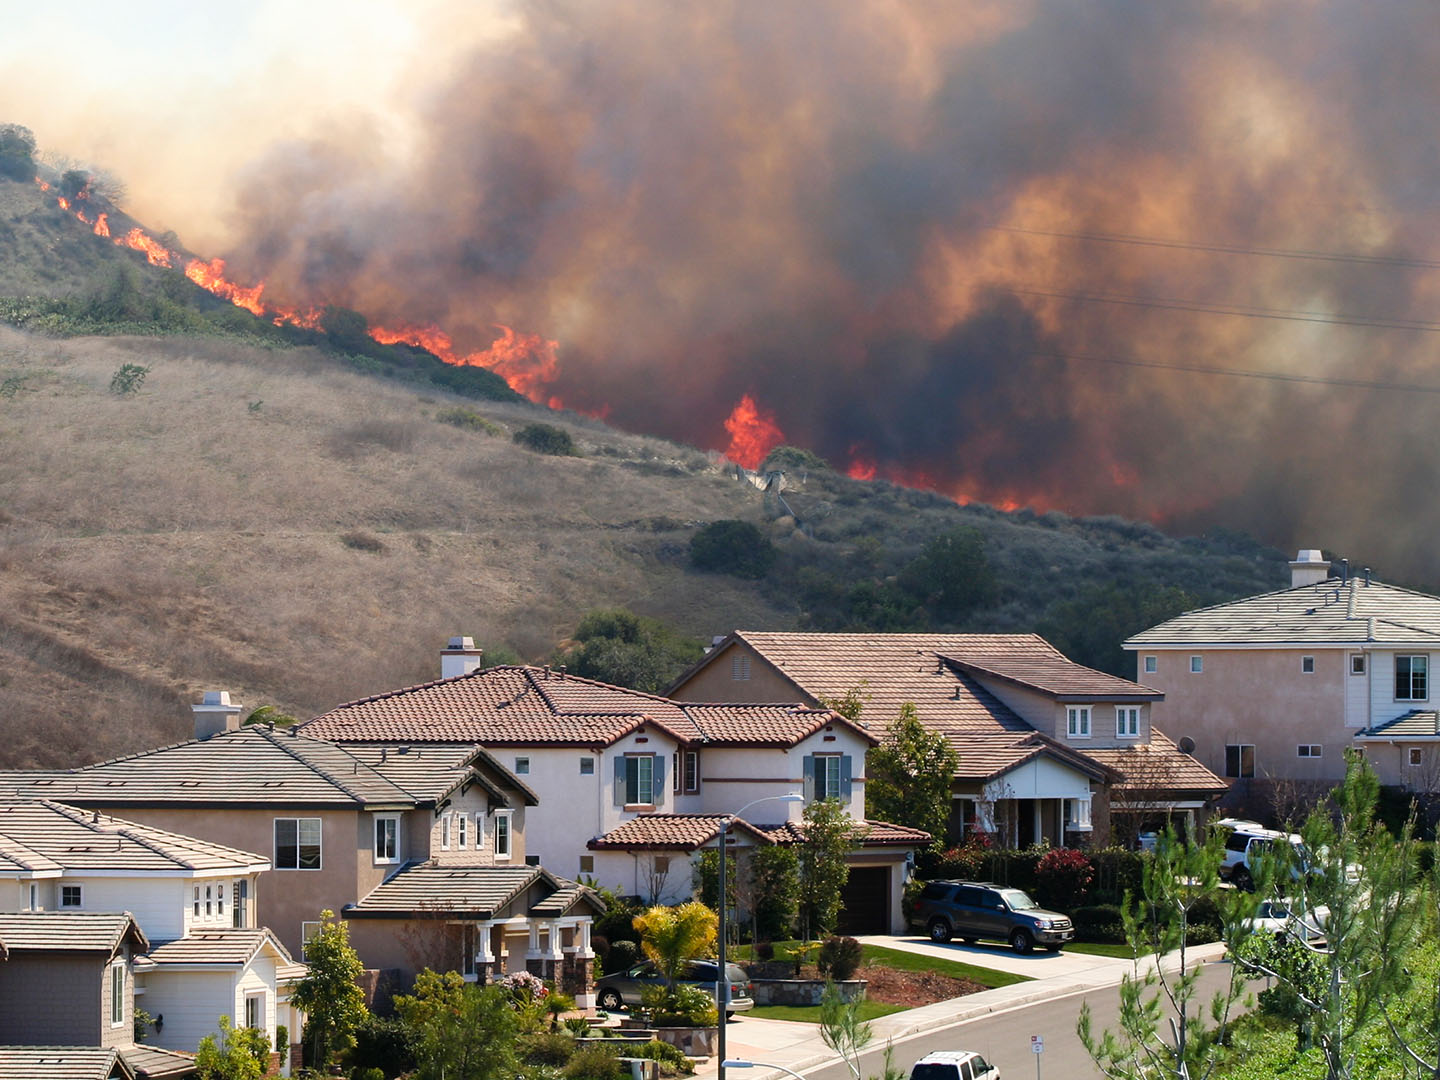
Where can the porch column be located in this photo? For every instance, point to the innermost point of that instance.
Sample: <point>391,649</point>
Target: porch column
<point>540,962</point>
<point>484,954</point>
<point>577,969</point>
<point>1038,817</point>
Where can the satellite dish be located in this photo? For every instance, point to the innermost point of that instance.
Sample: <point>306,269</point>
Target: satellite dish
<point>1186,744</point>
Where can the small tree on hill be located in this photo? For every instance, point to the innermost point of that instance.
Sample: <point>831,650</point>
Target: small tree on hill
<point>951,575</point>
<point>329,994</point>
<point>617,646</point>
<point>546,439</point>
<point>17,152</point>
<point>732,547</point>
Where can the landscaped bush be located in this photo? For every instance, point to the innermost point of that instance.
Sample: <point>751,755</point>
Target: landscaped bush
<point>1117,871</point>
<point>1099,923</point>
<point>673,1061</point>
<point>384,1043</point>
<point>1062,878</point>
<point>546,439</point>
<point>622,956</point>
<point>765,950</point>
<point>593,1062</point>
<point>839,958</point>
<point>553,1048</point>
<point>681,1005</point>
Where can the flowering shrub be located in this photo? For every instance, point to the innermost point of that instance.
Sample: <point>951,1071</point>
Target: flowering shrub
<point>1062,877</point>
<point>523,987</point>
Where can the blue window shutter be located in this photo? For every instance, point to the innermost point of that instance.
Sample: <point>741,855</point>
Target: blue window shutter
<point>845,778</point>
<point>619,780</point>
<point>809,773</point>
<point>657,779</point>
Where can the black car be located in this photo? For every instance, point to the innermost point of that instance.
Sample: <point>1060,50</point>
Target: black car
<point>971,910</point>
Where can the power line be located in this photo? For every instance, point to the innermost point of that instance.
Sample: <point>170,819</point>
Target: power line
<point>1239,310</point>
<point>1271,376</point>
<point>1228,249</point>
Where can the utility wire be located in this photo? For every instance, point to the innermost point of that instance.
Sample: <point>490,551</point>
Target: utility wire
<point>1271,376</point>
<point>1228,249</point>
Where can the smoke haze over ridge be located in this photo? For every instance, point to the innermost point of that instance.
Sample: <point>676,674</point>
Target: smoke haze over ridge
<point>852,213</point>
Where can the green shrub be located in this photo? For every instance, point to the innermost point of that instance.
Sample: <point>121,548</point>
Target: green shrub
<point>765,950</point>
<point>553,1048</point>
<point>361,541</point>
<point>1117,871</point>
<point>546,439</point>
<point>794,459</point>
<point>673,1061</point>
<point>371,1073</point>
<point>383,1043</point>
<point>128,379</point>
<point>469,420</point>
<point>732,547</point>
<point>593,1062</point>
<point>1098,923</point>
<point>839,958</point>
<point>1062,878</point>
<point>682,1005</point>
<point>17,152</point>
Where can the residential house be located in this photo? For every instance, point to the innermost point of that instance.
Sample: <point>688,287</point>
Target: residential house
<point>1272,689</point>
<point>343,829</point>
<point>193,900</point>
<point>632,786</point>
<point>1043,743</point>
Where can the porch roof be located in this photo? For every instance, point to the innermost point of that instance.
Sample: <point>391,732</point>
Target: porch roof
<point>1160,766</point>
<point>63,1063</point>
<point>431,891</point>
<point>678,832</point>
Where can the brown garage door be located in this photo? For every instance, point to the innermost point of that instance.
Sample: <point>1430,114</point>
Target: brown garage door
<point>865,901</point>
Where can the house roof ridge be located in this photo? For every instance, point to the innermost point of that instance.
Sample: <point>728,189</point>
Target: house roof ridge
<point>280,743</point>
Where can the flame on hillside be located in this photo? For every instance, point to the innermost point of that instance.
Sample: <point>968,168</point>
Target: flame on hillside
<point>753,433</point>
<point>528,362</point>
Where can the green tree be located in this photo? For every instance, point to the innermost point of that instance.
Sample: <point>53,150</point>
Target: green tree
<point>672,935</point>
<point>732,547</point>
<point>17,152</point>
<point>346,329</point>
<point>774,886</point>
<point>1182,876</point>
<point>909,777</point>
<point>824,869</point>
<point>951,575</point>
<point>268,714</point>
<point>459,1031</point>
<point>616,646</point>
<point>1090,627</point>
<point>240,1054</point>
<point>128,379</point>
<point>329,994</point>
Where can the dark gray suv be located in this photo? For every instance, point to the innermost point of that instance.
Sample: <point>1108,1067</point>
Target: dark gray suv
<point>971,910</point>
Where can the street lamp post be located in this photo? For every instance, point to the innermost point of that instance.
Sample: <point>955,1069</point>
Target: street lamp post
<point>722,979</point>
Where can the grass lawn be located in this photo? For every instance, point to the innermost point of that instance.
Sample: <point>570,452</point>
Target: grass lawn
<point>810,1014</point>
<point>908,961</point>
<point>1092,949</point>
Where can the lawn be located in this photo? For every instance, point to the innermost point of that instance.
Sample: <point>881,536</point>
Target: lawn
<point>1091,948</point>
<point>908,961</point>
<point>810,1014</point>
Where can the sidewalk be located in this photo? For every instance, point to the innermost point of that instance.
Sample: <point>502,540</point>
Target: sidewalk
<point>799,1046</point>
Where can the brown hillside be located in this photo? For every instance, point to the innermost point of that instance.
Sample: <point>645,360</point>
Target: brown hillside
<point>266,523</point>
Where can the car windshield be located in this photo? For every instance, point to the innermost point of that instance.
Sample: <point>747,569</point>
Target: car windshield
<point>934,1070</point>
<point>1018,900</point>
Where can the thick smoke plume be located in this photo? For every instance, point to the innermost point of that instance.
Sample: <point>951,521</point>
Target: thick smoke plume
<point>993,248</point>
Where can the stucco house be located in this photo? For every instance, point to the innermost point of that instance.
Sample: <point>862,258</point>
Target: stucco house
<point>621,774</point>
<point>341,828</point>
<point>1273,688</point>
<point>1043,742</point>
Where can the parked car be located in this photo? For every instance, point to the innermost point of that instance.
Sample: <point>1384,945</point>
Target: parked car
<point>623,989</point>
<point>1280,917</point>
<point>971,910</point>
<point>953,1065</point>
<point>1247,842</point>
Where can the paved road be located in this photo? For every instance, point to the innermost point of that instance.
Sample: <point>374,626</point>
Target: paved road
<point>1004,1038</point>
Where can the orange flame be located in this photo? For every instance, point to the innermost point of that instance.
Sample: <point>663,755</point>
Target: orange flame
<point>862,465</point>
<point>753,433</point>
<point>43,185</point>
<point>211,277</point>
<point>102,225</point>
<point>157,254</point>
<point>528,362</point>
<point>64,202</point>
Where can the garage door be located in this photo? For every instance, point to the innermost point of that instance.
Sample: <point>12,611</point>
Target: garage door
<point>865,901</point>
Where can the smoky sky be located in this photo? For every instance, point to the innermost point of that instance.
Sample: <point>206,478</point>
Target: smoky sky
<point>975,245</point>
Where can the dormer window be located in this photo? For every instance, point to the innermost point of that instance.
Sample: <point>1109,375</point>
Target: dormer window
<point>387,838</point>
<point>1077,721</point>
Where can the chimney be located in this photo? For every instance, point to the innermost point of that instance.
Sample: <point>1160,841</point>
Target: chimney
<point>1309,568</point>
<point>459,657</point>
<point>215,714</point>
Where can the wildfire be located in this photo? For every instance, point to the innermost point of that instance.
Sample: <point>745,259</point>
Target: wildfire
<point>156,254</point>
<point>64,202</point>
<point>528,362</point>
<point>753,433</point>
<point>862,465</point>
<point>102,225</point>
<point>211,277</point>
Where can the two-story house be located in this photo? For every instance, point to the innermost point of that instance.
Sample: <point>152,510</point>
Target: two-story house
<point>632,786</point>
<point>1273,688</point>
<point>350,832</point>
<point>1047,748</point>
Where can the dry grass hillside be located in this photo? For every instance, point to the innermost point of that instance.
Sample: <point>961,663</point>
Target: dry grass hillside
<point>269,523</point>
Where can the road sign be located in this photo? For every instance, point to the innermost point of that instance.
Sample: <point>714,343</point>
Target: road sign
<point>1037,1044</point>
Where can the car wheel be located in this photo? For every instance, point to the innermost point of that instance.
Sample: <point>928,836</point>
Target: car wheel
<point>1021,942</point>
<point>1242,879</point>
<point>610,1000</point>
<point>939,930</point>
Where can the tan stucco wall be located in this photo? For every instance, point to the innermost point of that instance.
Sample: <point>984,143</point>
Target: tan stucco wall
<point>1259,697</point>
<point>714,684</point>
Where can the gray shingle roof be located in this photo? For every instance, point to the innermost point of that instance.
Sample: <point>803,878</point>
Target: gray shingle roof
<point>1056,676</point>
<point>1417,723</point>
<point>222,946</point>
<point>82,931</point>
<point>152,1063</point>
<point>1329,613</point>
<point>42,835</point>
<point>427,891</point>
<point>62,1063</point>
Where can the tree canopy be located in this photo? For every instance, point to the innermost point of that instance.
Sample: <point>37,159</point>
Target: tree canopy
<point>329,994</point>
<point>617,646</point>
<point>909,777</point>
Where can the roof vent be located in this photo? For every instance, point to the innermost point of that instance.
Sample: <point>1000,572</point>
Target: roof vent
<point>1186,744</point>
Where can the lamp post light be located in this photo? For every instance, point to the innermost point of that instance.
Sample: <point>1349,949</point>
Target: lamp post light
<point>722,980</point>
<point>736,1063</point>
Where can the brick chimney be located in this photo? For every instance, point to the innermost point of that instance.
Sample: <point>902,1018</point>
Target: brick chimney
<point>460,657</point>
<point>1309,568</point>
<point>215,714</point>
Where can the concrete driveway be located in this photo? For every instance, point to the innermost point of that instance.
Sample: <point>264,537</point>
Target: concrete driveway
<point>1000,957</point>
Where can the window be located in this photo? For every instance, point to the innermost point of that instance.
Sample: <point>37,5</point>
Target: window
<point>1197,664</point>
<point>462,828</point>
<point>1307,665</point>
<point>445,832</point>
<point>1152,665</point>
<point>740,668</point>
<point>209,901</point>
<point>1357,664</point>
<point>34,897</point>
<point>675,770</point>
<point>692,770</point>
<point>522,766</point>
<point>117,994</point>
<point>195,903</point>
<point>387,838</point>
<point>1078,721</point>
<point>469,946</point>
<point>70,896</point>
<point>587,864</point>
<point>502,835</point>
<point>1127,721</point>
<point>308,932</point>
<point>479,831</point>
<point>255,1011</point>
<point>1411,674</point>
<point>1240,760</point>
<point>1417,755</point>
<point>220,900</point>
<point>532,860</point>
<point>297,843</point>
<point>827,776</point>
<point>1311,750</point>
<point>587,766</point>
<point>239,912</point>
<point>637,779</point>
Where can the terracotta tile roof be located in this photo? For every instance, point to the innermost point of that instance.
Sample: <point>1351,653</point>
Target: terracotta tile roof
<point>42,835</point>
<point>682,832</point>
<point>83,931</point>
<point>427,891</point>
<point>1328,613</point>
<point>62,1063</point>
<point>152,1063</point>
<point>221,946</point>
<point>529,706</point>
<point>867,834</point>
<point>1056,675</point>
<point>1160,762</point>
<point>1417,723</point>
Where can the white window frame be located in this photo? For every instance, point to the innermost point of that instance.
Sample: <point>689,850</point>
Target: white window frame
<point>257,1002</point>
<point>445,830</point>
<point>504,847</point>
<point>522,765</point>
<point>479,832</point>
<point>309,929</point>
<point>829,776</point>
<point>117,994</point>
<point>675,772</point>
<point>34,897</point>
<point>209,901</point>
<point>462,831</point>
<point>390,841</point>
<point>1310,750</point>
<point>1416,756</point>
<point>1412,657</point>
<point>1197,664</point>
<point>1357,663</point>
<point>646,789</point>
<point>79,897</point>
<point>1077,721</point>
<point>195,903</point>
<point>587,859</point>
<point>300,825</point>
<point>1124,713</point>
<point>220,900</point>
<point>587,766</point>
<point>1152,665</point>
<point>1239,773</point>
